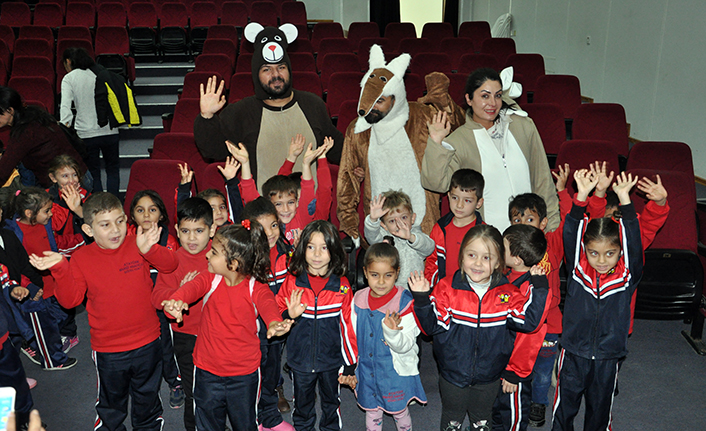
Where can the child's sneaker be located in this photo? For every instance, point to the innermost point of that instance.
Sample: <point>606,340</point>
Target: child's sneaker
<point>31,382</point>
<point>70,362</point>
<point>176,397</point>
<point>537,415</point>
<point>31,353</point>
<point>68,343</point>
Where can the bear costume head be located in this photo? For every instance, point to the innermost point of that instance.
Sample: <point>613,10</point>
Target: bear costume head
<point>270,47</point>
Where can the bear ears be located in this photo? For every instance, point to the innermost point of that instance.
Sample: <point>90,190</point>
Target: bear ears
<point>253,29</point>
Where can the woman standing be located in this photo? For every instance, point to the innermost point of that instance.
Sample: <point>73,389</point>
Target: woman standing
<point>497,140</point>
<point>78,86</point>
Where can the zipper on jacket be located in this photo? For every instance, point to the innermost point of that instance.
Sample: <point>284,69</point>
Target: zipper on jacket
<point>315,335</point>
<point>475,347</point>
<point>598,315</point>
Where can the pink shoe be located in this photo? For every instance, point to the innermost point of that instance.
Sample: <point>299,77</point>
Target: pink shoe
<point>284,426</point>
<point>31,382</point>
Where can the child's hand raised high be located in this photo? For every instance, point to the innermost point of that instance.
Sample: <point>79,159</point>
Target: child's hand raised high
<point>175,308</point>
<point>145,239</point>
<point>585,182</point>
<point>230,169</point>
<point>376,211</point>
<point>561,177</point>
<point>417,282</point>
<point>328,144</point>
<point>296,147</point>
<point>392,320</point>
<point>294,303</point>
<point>623,184</point>
<point>311,154</point>
<point>72,197</point>
<point>277,329</point>
<point>604,179</point>
<point>186,174</point>
<point>654,191</point>
<point>240,153</point>
<point>50,259</point>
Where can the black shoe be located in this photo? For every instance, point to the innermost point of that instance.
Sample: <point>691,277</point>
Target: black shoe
<point>537,414</point>
<point>70,362</point>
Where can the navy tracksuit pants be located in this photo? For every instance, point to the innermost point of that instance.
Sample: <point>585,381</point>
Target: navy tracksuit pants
<point>304,413</point>
<point>593,379</point>
<point>12,374</point>
<point>271,360</point>
<point>511,411</point>
<point>218,397</point>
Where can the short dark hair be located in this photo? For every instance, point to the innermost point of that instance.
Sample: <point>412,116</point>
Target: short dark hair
<point>337,265</point>
<point>79,58</point>
<point>262,207</point>
<point>195,209</point>
<point>280,184</point>
<point>526,242</point>
<point>611,199</point>
<point>247,246</point>
<point>528,201</point>
<point>99,203</point>
<point>158,202</point>
<point>382,251</point>
<point>468,180</point>
<point>602,229</point>
<point>212,193</point>
<point>32,199</point>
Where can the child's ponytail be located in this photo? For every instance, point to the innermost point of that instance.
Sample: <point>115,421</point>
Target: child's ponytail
<point>246,244</point>
<point>32,199</point>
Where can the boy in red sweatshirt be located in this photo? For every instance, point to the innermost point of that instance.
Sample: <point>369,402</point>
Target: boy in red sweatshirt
<point>195,228</point>
<point>114,274</point>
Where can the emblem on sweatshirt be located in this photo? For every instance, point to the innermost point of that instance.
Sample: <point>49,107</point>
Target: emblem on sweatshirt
<point>504,298</point>
<point>343,289</point>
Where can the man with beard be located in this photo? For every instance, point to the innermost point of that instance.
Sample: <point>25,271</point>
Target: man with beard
<point>385,145</point>
<point>266,122</point>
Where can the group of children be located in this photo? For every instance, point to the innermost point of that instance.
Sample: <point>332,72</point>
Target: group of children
<point>249,274</point>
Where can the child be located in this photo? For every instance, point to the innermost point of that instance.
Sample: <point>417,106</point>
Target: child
<point>32,226</point>
<point>284,191</point>
<point>113,274</point>
<point>390,356</point>
<point>146,210</point>
<point>471,315</point>
<point>319,297</point>
<point>525,247</point>
<point>391,212</point>
<point>465,199</point>
<point>222,213</point>
<point>530,209</point>
<point>195,228</point>
<point>227,354</point>
<point>272,398</point>
<point>604,258</point>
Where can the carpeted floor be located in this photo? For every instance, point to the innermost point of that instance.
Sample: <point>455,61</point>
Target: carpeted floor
<point>662,386</point>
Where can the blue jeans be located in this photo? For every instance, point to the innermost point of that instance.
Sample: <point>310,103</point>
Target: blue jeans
<point>542,378</point>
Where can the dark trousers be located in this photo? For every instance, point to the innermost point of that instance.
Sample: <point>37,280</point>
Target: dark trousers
<point>65,318</point>
<point>304,413</point>
<point>137,374</point>
<point>109,145</point>
<point>267,413</point>
<point>12,374</point>
<point>511,411</point>
<point>476,400</point>
<point>170,372</point>
<point>184,352</point>
<point>592,379</point>
<point>43,316</point>
<point>216,397</point>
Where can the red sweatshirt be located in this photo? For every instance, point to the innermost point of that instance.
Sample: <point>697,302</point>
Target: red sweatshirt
<point>324,191</point>
<point>36,241</point>
<point>168,284</point>
<point>227,343</point>
<point>118,286</point>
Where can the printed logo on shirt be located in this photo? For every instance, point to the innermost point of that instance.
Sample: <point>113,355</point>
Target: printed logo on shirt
<point>135,265</point>
<point>343,289</point>
<point>545,264</point>
<point>504,298</point>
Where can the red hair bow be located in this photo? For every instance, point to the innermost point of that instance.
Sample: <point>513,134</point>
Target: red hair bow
<point>246,224</point>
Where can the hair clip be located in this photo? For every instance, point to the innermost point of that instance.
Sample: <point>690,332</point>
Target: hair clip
<point>246,224</point>
<point>17,193</point>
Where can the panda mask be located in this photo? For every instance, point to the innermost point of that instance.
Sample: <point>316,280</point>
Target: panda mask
<point>270,47</point>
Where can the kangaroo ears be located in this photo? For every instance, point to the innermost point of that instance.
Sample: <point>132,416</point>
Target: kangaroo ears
<point>251,31</point>
<point>376,59</point>
<point>399,65</point>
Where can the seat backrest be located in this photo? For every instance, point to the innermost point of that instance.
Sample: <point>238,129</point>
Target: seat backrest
<point>8,35</point>
<point>499,47</point>
<point>112,14</point>
<point>185,112</point>
<point>301,45</point>
<point>579,154</point>
<point>337,62</point>
<point>302,61</point>
<point>60,3</point>
<point>211,178</point>
<point>173,15</point>
<point>246,47</point>
<point>662,155</point>
<point>549,120</point>
<point>224,31</point>
<point>234,13</point>
<point>342,86</point>
<point>179,146</point>
<point>457,88</point>
<point>243,64</point>
<point>203,14</point>
<point>347,112</point>
<point>33,48</point>
<point>241,86</point>
<point>33,66</point>
<point>74,32</point>
<point>476,30</point>
<point>426,62</point>
<point>220,46</point>
<point>81,14</point>
<point>162,176</point>
<point>437,30</point>
<point>34,88</point>
<point>142,14</point>
<point>332,45</point>
<point>220,63</point>
<point>604,121</point>
<point>193,81</point>
<point>49,14</point>
<point>112,40</point>
<point>358,31</point>
<point>307,81</point>
<point>5,56</point>
<point>325,30</point>
<point>468,63</point>
<point>264,12</point>
<point>414,46</point>
<point>37,32</point>
<point>564,90</point>
<point>455,47</point>
<point>364,49</point>
<point>15,14</point>
<point>396,31</point>
<point>294,12</point>
<point>530,66</point>
<point>414,85</point>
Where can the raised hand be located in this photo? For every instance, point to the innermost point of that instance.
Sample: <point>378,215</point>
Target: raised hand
<point>623,184</point>
<point>585,182</point>
<point>175,308</point>
<point>296,147</point>
<point>230,168</point>
<point>439,127</point>
<point>417,282</point>
<point>72,197</point>
<point>212,98</point>
<point>376,211</point>
<point>561,177</point>
<point>49,259</point>
<point>188,277</point>
<point>145,239</point>
<point>604,180</point>
<point>392,320</point>
<point>328,144</point>
<point>404,230</point>
<point>277,329</point>
<point>240,153</point>
<point>654,191</point>
<point>186,174</point>
<point>294,303</point>
<point>311,154</point>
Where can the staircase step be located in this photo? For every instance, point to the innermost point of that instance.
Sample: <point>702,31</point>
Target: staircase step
<point>151,126</point>
<point>162,69</point>
<point>156,104</point>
